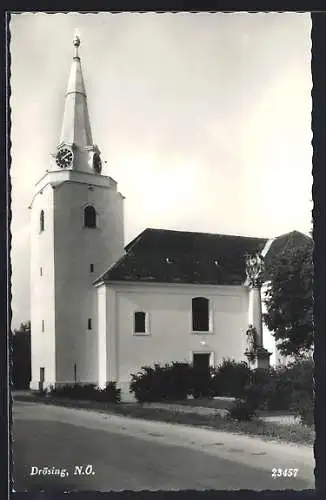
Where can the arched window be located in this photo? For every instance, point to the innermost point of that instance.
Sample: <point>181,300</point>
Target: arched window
<point>89,216</point>
<point>140,322</point>
<point>200,314</point>
<point>42,221</point>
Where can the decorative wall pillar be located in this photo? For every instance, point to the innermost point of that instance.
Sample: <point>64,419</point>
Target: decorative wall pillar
<point>257,355</point>
<point>112,337</point>
<point>102,335</point>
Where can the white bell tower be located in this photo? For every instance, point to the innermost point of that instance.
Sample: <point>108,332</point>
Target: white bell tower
<point>77,232</point>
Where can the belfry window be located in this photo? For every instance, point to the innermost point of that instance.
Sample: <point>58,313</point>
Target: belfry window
<point>42,221</point>
<point>89,216</point>
<point>200,314</point>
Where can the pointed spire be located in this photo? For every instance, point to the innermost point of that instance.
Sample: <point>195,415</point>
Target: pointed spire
<point>76,127</point>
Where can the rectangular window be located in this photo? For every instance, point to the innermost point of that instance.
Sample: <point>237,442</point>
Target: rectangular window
<point>89,323</point>
<point>42,325</point>
<point>41,271</point>
<point>141,323</point>
<point>91,268</point>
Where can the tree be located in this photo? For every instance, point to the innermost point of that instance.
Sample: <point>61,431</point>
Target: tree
<point>21,356</point>
<point>289,300</point>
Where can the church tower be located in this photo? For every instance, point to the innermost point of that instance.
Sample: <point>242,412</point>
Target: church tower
<point>77,232</point>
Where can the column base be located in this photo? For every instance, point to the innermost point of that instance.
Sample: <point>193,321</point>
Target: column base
<point>258,358</point>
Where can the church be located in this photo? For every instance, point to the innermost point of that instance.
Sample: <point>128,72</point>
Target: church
<point>101,310</point>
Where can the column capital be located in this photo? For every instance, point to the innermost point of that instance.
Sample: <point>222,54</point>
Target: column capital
<point>255,270</point>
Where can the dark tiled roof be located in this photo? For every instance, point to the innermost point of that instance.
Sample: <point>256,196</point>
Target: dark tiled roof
<point>159,255</point>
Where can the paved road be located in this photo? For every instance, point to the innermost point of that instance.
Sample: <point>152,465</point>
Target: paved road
<point>124,453</point>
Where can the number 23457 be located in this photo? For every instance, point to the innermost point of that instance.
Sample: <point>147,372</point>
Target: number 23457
<point>276,473</point>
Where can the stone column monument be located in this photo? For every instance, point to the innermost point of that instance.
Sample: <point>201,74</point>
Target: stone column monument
<point>257,355</point>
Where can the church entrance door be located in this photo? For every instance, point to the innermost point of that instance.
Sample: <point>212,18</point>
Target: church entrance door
<point>201,361</point>
<point>201,364</point>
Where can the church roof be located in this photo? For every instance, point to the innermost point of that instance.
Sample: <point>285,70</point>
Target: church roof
<point>165,256</point>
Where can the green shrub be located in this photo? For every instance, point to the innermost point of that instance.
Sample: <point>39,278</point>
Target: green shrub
<point>261,387</point>
<point>302,404</point>
<point>278,391</point>
<point>295,382</point>
<point>88,392</point>
<point>75,391</point>
<point>230,378</point>
<point>170,382</point>
<point>242,410</point>
<point>255,396</point>
<point>110,394</point>
<point>300,375</point>
<point>201,383</point>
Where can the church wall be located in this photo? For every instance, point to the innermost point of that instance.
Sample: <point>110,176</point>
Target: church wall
<point>42,289</point>
<point>76,248</point>
<point>170,337</point>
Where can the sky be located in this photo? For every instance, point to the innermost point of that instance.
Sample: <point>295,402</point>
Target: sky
<point>204,119</point>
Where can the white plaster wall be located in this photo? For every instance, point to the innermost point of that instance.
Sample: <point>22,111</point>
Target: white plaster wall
<point>76,248</point>
<point>170,325</point>
<point>64,296</point>
<point>42,289</point>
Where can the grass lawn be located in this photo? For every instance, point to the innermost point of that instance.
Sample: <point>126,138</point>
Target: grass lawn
<point>220,403</point>
<point>225,403</point>
<point>295,433</point>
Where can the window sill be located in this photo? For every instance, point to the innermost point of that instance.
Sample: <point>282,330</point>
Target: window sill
<point>202,333</point>
<point>141,334</point>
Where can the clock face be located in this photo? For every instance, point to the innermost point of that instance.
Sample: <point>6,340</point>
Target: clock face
<point>64,158</point>
<point>97,164</point>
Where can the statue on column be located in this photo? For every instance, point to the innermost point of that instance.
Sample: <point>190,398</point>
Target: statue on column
<point>255,270</point>
<point>251,339</point>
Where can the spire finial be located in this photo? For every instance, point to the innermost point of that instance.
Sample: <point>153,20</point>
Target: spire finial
<point>76,42</point>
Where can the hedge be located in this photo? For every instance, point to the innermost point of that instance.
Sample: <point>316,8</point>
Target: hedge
<point>88,392</point>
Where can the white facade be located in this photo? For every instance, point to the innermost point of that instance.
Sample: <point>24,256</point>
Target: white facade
<point>169,335</point>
